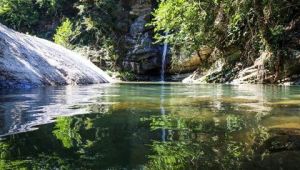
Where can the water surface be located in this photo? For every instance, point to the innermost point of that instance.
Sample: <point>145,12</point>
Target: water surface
<point>151,126</point>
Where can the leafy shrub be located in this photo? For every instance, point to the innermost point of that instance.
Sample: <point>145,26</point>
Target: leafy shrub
<point>127,76</point>
<point>64,33</point>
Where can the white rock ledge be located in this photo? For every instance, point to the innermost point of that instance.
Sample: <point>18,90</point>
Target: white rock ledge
<point>27,61</point>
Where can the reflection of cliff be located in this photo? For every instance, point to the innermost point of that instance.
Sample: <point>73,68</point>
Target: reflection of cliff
<point>209,127</point>
<point>227,127</point>
<point>22,110</point>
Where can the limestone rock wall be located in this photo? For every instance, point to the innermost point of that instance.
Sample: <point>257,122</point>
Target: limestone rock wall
<point>142,57</point>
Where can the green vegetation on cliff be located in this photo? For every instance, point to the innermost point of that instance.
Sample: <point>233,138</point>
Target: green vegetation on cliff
<point>34,16</point>
<point>246,27</point>
<point>238,31</point>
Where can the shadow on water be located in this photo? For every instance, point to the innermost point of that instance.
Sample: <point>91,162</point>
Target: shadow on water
<point>151,126</point>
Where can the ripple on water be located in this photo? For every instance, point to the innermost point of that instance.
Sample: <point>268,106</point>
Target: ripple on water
<point>151,126</point>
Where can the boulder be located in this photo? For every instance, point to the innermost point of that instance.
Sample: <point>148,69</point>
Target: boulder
<point>27,61</point>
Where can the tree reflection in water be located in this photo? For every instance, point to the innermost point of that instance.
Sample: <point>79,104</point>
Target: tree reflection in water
<point>176,131</point>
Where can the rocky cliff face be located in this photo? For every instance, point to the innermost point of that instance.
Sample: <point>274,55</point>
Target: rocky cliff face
<point>257,73</point>
<point>27,61</point>
<point>266,68</point>
<point>142,57</point>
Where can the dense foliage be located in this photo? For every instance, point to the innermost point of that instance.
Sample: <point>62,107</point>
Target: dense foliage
<point>248,25</point>
<point>96,22</point>
<point>30,15</point>
<point>239,30</point>
<point>185,22</point>
<point>71,23</point>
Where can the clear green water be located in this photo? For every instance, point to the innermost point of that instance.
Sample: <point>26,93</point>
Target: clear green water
<point>151,126</point>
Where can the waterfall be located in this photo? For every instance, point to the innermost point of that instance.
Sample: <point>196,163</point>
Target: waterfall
<point>163,63</point>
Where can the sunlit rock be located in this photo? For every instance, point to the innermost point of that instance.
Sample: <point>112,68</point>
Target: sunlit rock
<point>27,61</point>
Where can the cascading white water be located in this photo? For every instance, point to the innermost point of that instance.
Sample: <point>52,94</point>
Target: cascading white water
<point>163,63</point>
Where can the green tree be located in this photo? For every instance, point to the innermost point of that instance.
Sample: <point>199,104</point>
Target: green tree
<point>18,13</point>
<point>97,21</point>
<point>243,25</point>
<point>66,133</point>
<point>65,33</point>
<point>187,23</point>
<point>31,15</point>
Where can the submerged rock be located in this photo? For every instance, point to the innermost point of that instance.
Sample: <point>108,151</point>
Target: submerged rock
<point>27,61</point>
<point>280,151</point>
<point>286,139</point>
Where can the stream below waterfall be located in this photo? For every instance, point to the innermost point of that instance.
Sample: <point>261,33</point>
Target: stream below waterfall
<point>151,126</point>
